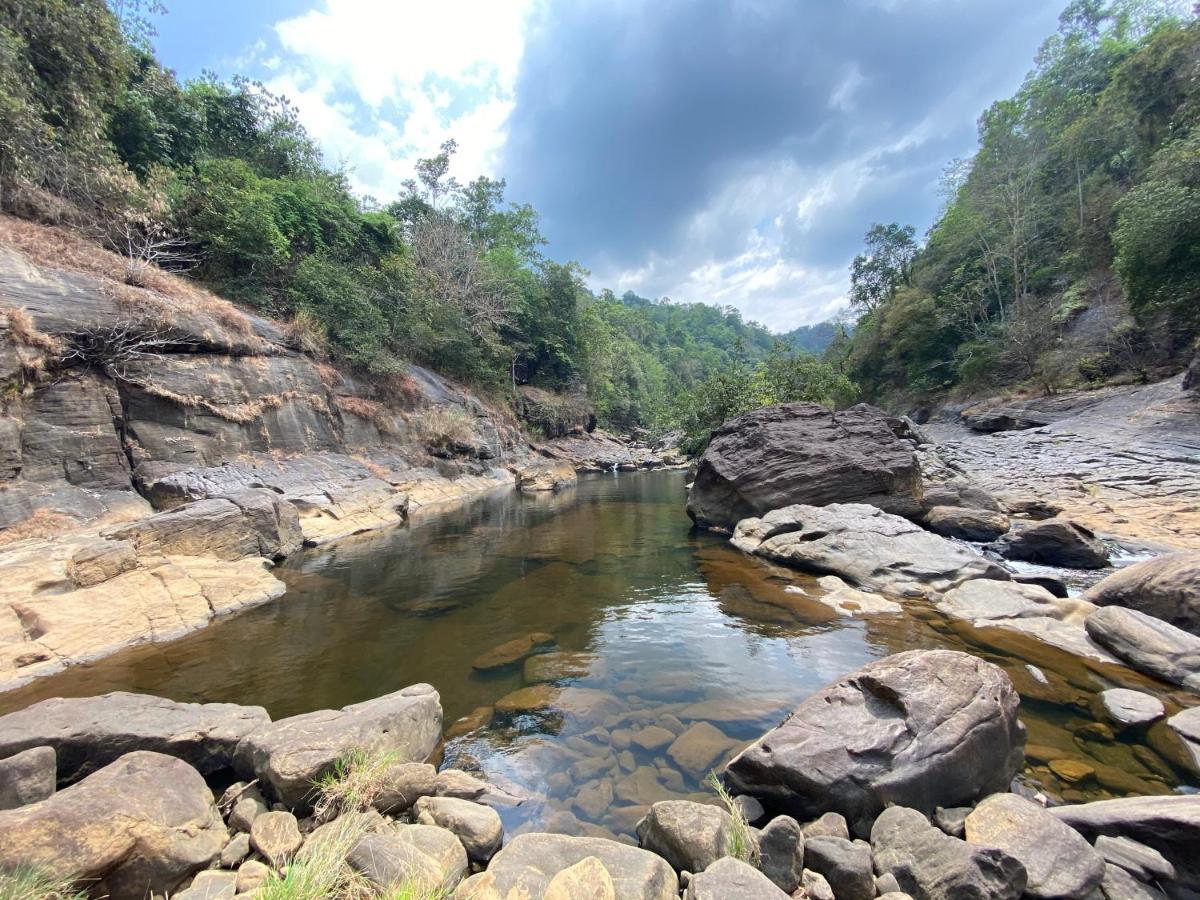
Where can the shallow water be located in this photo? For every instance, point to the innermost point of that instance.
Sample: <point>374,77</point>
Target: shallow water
<point>666,627</point>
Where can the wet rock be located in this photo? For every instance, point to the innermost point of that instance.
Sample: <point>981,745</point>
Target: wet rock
<point>210,885</point>
<point>586,880</point>
<point>929,864</point>
<point>1182,753</point>
<point>235,851</point>
<point>27,777</point>
<point>845,864</point>
<point>421,858</point>
<point>88,733</point>
<point>477,826</point>
<point>1128,709</point>
<point>144,822</point>
<point>1148,644</point>
<point>477,718</point>
<point>729,877</point>
<point>781,852</point>
<point>699,748</point>
<point>830,823</point>
<point>276,835</point>
<point>1144,863</point>
<point>1170,825</point>
<point>1055,542</point>
<point>848,601</point>
<point>403,785</point>
<point>1186,728</point>
<point>739,710</point>
<point>872,550</point>
<point>579,705</point>
<point>690,836</point>
<point>921,728</point>
<point>594,798</point>
<point>531,861</point>
<point>966,524</point>
<point>1071,770</point>
<point>652,738</point>
<point>286,756</point>
<point>1058,862</point>
<point>1166,587</point>
<point>512,652</point>
<point>643,787</point>
<point>561,666</point>
<point>1120,885</point>
<point>802,453</point>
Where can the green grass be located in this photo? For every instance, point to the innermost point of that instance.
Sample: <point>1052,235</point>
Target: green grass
<point>739,842</point>
<point>28,883</point>
<point>353,784</point>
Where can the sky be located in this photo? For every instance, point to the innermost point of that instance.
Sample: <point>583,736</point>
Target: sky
<point>724,151</point>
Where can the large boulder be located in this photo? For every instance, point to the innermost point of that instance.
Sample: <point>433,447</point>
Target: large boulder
<point>803,453</point>
<point>526,867</point>
<point>1170,825</point>
<point>286,756</point>
<point>690,836</point>
<point>1055,542</point>
<point>923,728</point>
<point>1148,644</point>
<point>929,864</point>
<point>1166,587</point>
<point>965,523</point>
<point>138,826</point>
<point>88,733</point>
<point>421,858</point>
<point>871,549</point>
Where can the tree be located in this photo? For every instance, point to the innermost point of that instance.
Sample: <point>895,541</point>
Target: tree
<point>877,274</point>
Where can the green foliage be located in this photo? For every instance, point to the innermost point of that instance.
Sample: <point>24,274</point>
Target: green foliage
<point>739,841</point>
<point>29,883</point>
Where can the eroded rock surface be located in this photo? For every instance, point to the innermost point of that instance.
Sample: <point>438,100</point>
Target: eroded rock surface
<point>1166,587</point>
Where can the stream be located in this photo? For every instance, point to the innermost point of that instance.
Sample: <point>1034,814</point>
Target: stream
<point>659,631</point>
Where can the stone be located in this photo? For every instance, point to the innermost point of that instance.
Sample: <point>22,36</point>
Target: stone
<point>1071,770</point>
<point>560,666</point>
<point>980,525</point>
<point>690,836</point>
<point>802,453</point>
<point>1058,862</point>
<point>868,548</point>
<point>546,476</point>
<point>1128,709</point>
<point>781,853</point>
<point>1142,862</point>
<point>987,599</point>
<point>586,880</point>
<point>512,652</point>
<point>887,884</point>
<point>748,808</point>
<point>288,755</point>
<point>953,821</point>
<point>403,784</point>
<point>235,851</point>
<point>251,875</point>
<point>594,799</point>
<point>577,705</point>
<point>1120,885</point>
<point>652,738</point>
<point>99,560</point>
<point>699,748</point>
<point>728,878</point>
<point>1055,542</point>
<point>477,826</point>
<point>245,811</point>
<point>276,835</point>
<point>929,864</point>
<point>923,728</point>
<point>210,885</point>
<point>477,718</point>
<point>1166,587</point>
<point>1148,644</point>
<point>849,601</point>
<point>27,777</point>
<point>814,886</point>
<point>1170,825</point>
<point>528,864</point>
<point>422,858</point>
<point>88,733</point>
<point>830,823</point>
<point>142,823</point>
<point>846,865</point>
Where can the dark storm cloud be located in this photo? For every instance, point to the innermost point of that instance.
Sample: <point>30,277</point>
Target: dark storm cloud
<point>632,119</point>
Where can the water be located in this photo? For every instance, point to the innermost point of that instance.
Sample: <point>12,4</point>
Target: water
<point>657,624</point>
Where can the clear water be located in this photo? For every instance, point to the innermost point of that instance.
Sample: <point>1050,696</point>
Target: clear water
<point>678,628</point>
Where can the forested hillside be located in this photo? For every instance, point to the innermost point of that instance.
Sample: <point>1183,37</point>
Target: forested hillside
<point>1068,249</point>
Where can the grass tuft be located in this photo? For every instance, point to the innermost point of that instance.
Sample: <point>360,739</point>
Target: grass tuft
<point>353,784</point>
<point>29,883</point>
<point>739,842</point>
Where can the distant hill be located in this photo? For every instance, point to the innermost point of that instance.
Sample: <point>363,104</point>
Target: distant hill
<point>813,338</point>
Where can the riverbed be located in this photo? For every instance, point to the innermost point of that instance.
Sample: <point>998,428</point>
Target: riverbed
<point>671,651</point>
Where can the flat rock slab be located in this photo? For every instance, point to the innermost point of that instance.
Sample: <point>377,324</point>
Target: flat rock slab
<point>1148,644</point>
<point>88,733</point>
<point>512,652</point>
<point>1129,709</point>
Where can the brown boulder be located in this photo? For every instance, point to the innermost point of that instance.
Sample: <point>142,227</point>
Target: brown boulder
<point>1167,587</point>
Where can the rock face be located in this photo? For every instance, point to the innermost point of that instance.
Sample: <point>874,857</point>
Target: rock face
<point>1058,861</point>
<point>802,453</point>
<point>869,548</point>
<point>931,865</point>
<point>1166,587</point>
<point>1148,644</point>
<point>26,777</point>
<point>921,729</point>
<point>141,824</point>
<point>287,755</point>
<point>690,836</point>
<point>1055,542</point>
<point>965,523</point>
<point>91,732</point>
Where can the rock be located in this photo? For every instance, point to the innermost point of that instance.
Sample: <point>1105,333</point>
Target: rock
<point>210,885</point>
<point>288,755</point>
<point>1128,709</point>
<point>830,823</point>
<point>929,864</point>
<point>846,865</point>
<point>276,835</point>
<point>251,875</point>
<point>560,666</point>
<point>235,851</point>
<point>924,728</point>
<point>1052,583</point>
<point>781,852</point>
<point>748,808</point>
<point>422,858</point>
<point>966,524</point>
<point>27,777</point>
<point>546,476</point>
<point>594,799</point>
<point>690,836</point>
<point>530,862</point>
<point>512,652</point>
<point>1120,885</point>
<point>245,810</point>
<point>1055,542</point>
<point>477,718</point>
<point>1187,724</point>
<point>984,599</point>
<point>1058,862</point>
<point>699,748</point>
<point>1148,644</point>
<point>652,738</point>
<point>802,453</point>
<point>88,733</point>
<point>1071,770</point>
<point>98,561</point>
<point>142,823</point>
<point>1140,861</point>
<point>586,880</point>
<point>1170,825</point>
<point>477,826</point>
<point>728,878</point>
<point>814,886</point>
<point>870,549</point>
<point>848,601</point>
<point>887,884</point>
<point>403,785</point>
<point>576,705</point>
<point>1166,587</point>
<point>953,821</point>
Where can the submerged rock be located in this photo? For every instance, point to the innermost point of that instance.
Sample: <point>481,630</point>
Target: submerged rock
<point>1167,587</point>
<point>1055,542</point>
<point>1148,644</point>
<point>512,652</point>
<point>924,728</point>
